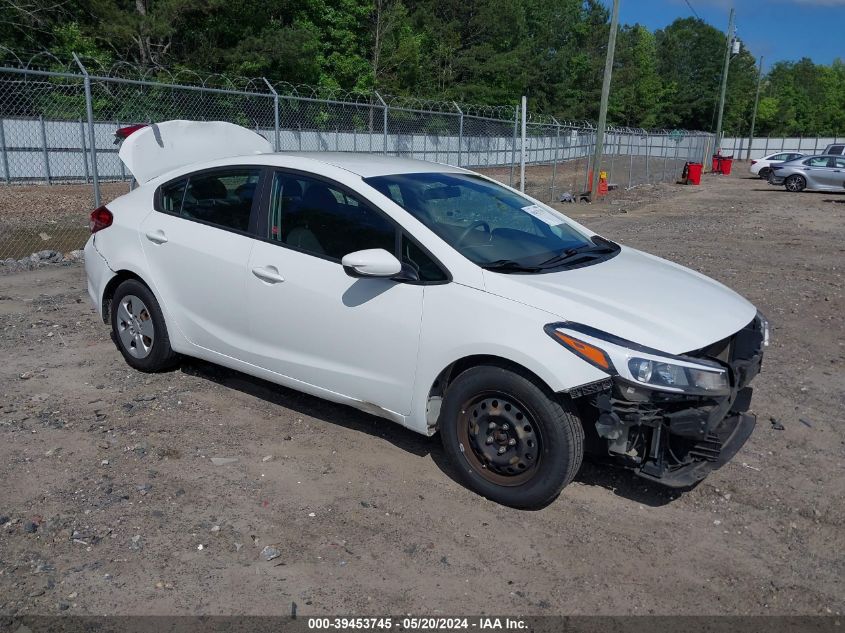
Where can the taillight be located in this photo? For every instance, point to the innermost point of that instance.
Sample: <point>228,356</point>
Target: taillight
<point>101,218</point>
<point>753,162</point>
<point>122,133</point>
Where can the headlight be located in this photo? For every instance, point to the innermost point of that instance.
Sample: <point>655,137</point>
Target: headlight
<point>637,364</point>
<point>677,377</point>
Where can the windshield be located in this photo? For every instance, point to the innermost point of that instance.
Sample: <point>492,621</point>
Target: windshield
<point>489,224</point>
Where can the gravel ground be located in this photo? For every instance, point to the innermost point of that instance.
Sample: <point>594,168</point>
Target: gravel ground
<point>112,501</point>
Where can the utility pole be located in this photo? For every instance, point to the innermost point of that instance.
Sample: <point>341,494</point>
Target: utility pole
<point>605,93</point>
<point>522,148</point>
<point>754,112</point>
<point>728,47</point>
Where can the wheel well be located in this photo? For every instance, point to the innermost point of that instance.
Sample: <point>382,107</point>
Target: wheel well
<point>455,369</point>
<point>111,287</point>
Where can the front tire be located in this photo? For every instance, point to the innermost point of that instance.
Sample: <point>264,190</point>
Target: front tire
<point>138,328</point>
<point>795,183</point>
<point>509,437</point>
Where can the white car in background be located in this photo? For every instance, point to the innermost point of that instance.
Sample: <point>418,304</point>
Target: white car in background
<point>430,296</point>
<point>762,166</point>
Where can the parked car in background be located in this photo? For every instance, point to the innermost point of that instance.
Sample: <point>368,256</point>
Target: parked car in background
<point>836,149</point>
<point>760,166</point>
<point>428,295</point>
<point>816,173</point>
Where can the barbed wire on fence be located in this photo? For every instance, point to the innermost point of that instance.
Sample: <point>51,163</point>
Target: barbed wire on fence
<point>57,123</point>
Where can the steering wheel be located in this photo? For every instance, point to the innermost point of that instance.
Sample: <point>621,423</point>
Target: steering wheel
<point>471,228</point>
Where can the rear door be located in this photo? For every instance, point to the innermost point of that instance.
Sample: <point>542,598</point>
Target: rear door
<point>197,243</point>
<point>838,176</point>
<point>817,171</point>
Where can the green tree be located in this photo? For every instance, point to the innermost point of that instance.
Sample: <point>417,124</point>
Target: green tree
<point>636,90</point>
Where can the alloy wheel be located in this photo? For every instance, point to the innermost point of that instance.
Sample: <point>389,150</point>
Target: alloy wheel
<point>794,183</point>
<point>135,327</point>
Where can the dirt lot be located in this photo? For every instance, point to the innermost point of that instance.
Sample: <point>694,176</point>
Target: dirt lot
<point>110,502</point>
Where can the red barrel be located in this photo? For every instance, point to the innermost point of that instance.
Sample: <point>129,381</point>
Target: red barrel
<point>722,164</point>
<point>694,173</point>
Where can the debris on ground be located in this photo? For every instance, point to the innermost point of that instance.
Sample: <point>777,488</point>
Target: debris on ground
<point>270,553</point>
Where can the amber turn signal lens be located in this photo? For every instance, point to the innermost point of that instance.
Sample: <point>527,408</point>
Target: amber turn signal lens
<point>588,352</point>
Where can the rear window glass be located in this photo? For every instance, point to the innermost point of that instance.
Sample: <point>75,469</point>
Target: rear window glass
<point>221,197</point>
<point>818,161</point>
<point>172,195</point>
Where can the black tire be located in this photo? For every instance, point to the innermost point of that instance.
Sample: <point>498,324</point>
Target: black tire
<point>556,432</point>
<point>764,173</point>
<point>795,183</point>
<point>158,354</point>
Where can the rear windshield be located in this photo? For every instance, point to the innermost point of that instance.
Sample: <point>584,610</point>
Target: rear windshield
<point>489,224</point>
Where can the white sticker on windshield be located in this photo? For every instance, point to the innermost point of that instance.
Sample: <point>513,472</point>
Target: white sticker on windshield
<point>544,215</point>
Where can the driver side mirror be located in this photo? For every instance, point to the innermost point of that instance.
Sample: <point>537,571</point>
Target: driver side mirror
<point>372,262</point>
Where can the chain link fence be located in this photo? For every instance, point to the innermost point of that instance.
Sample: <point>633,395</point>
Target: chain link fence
<point>59,160</point>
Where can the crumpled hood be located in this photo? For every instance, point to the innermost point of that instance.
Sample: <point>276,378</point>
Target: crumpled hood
<point>635,296</point>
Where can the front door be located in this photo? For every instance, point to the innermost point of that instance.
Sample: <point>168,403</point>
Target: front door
<point>312,322</point>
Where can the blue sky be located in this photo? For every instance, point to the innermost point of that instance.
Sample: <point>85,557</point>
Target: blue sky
<point>776,29</point>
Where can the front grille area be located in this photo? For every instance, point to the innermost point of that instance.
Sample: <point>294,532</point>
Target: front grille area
<point>742,352</point>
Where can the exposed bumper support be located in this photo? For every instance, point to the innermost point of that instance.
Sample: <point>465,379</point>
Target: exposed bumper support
<point>732,433</point>
<point>677,438</point>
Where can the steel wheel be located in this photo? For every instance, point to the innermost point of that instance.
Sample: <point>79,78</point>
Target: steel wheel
<point>135,327</point>
<point>795,183</point>
<point>504,440</point>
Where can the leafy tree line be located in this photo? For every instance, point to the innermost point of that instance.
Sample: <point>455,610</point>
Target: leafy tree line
<point>482,51</point>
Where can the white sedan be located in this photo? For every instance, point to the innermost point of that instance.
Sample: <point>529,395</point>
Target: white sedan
<point>762,166</point>
<point>428,295</point>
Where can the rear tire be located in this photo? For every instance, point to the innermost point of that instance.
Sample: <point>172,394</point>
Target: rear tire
<point>795,183</point>
<point>510,438</point>
<point>764,173</point>
<point>138,328</point>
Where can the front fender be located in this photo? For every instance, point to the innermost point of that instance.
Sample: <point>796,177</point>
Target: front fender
<point>459,322</point>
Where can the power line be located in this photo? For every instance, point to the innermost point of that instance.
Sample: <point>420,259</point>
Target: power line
<point>694,12</point>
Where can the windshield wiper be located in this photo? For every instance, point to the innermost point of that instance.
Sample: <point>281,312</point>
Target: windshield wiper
<point>508,265</point>
<point>600,246</point>
<point>569,253</point>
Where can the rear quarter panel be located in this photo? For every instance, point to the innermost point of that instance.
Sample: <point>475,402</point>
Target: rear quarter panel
<point>120,246</point>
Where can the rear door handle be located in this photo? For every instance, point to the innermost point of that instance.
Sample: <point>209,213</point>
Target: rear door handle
<point>269,274</point>
<point>157,236</point>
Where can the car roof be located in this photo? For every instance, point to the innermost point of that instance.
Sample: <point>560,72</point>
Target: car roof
<point>369,165</point>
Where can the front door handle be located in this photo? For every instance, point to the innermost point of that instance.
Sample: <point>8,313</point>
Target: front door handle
<point>157,236</point>
<point>269,274</point>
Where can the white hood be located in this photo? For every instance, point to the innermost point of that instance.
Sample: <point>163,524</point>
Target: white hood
<point>635,296</point>
<point>162,147</point>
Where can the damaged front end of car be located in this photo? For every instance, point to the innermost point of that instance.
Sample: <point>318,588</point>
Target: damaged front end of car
<point>670,418</point>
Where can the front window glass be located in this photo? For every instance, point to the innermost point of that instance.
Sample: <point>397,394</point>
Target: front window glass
<point>318,218</point>
<point>489,224</point>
